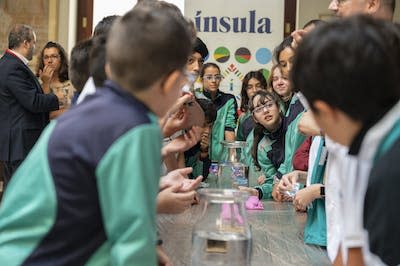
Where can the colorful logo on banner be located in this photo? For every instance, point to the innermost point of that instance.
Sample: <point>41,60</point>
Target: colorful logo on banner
<point>243,55</point>
<point>240,38</point>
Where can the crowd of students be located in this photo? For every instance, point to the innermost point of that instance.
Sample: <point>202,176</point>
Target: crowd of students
<point>323,131</point>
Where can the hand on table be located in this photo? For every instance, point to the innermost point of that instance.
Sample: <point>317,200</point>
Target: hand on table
<point>250,190</point>
<point>277,196</point>
<point>170,200</point>
<point>287,181</point>
<point>305,196</point>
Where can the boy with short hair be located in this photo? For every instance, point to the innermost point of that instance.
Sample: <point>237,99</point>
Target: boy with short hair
<point>92,188</point>
<point>349,72</point>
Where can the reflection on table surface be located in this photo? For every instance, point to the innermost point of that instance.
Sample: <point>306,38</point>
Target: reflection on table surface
<point>277,236</point>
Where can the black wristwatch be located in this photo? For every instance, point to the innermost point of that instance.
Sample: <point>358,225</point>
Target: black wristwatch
<point>322,191</point>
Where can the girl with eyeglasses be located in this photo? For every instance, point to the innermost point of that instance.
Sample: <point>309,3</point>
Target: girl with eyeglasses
<point>276,137</point>
<point>252,82</point>
<point>225,123</point>
<point>53,67</point>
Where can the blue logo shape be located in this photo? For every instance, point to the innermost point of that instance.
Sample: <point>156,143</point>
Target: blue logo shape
<point>263,56</point>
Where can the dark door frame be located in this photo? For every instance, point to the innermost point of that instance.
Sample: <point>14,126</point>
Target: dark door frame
<point>289,23</point>
<point>84,20</point>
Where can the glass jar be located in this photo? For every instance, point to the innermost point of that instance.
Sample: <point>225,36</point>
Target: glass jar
<point>222,235</point>
<point>232,169</point>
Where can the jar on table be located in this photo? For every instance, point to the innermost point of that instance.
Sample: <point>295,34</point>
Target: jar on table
<point>232,168</point>
<point>222,234</point>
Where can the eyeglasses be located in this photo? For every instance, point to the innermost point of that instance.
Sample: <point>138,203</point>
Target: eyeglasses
<point>53,57</point>
<point>261,108</point>
<point>211,77</point>
<point>193,59</point>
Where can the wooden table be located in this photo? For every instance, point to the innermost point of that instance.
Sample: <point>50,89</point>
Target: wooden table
<point>277,236</point>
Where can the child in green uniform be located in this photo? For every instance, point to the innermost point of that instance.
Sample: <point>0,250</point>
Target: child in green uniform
<point>87,196</point>
<point>225,124</point>
<point>276,138</point>
<point>360,110</point>
<point>252,82</point>
<point>198,157</point>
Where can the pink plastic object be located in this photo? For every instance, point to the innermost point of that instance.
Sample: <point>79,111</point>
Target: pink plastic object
<point>253,203</point>
<point>226,213</point>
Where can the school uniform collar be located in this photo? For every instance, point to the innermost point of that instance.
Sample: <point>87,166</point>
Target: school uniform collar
<point>117,89</point>
<point>358,141</point>
<point>208,94</point>
<point>375,135</point>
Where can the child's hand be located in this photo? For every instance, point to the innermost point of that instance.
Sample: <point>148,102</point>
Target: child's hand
<point>170,200</point>
<point>287,181</point>
<point>175,177</point>
<point>261,179</point>
<point>250,190</point>
<point>305,196</point>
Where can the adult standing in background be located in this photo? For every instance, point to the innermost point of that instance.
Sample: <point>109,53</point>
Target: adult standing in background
<point>53,58</point>
<point>24,105</point>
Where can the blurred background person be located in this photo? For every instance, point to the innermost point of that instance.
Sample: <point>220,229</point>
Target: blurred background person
<point>53,64</point>
<point>24,104</point>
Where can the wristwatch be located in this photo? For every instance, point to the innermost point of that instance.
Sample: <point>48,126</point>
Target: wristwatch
<point>322,191</point>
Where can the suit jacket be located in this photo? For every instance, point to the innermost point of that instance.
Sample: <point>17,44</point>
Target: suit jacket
<point>24,108</point>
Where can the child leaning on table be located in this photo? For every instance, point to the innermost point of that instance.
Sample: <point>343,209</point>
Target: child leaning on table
<point>88,195</point>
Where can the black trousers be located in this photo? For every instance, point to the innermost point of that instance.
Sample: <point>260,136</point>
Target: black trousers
<point>9,169</point>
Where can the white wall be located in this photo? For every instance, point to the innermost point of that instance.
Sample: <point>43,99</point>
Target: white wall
<point>103,8</point>
<point>397,12</point>
<point>311,9</point>
<point>67,11</point>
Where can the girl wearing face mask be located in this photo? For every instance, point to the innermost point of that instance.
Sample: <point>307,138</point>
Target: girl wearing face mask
<point>53,66</point>
<point>225,123</point>
<point>276,137</point>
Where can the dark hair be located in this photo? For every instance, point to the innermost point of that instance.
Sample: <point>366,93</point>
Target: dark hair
<point>209,109</point>
<point>287,42</point>
<point>97,60</point>
<point>258,128</point>
<point>63,72</point>
<point>244,102</point>
<point>315,22</point>
<point>79,65</point>
<point>207,65</point>
<point>158,41</point>
<point>351,64</point>
<point>104,26</point>
<point>200,47</point>
<point>18,34</point>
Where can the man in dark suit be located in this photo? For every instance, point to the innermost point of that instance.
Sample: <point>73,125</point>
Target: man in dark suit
<point>24,105</point>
